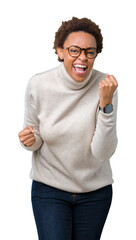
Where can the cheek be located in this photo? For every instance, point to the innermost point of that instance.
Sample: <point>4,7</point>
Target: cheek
<point>91,63</point>
<point>68,62</point>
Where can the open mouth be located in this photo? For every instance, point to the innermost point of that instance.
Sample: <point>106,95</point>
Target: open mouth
<point>80,69</point>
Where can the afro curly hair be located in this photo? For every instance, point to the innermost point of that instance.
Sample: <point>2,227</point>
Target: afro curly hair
<point>76,25</point>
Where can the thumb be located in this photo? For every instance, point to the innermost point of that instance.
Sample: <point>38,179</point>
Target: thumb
<point>107,75</point>
<point>31,129</point>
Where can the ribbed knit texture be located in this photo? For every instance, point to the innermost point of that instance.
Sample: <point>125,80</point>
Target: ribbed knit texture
<point>74,140</point>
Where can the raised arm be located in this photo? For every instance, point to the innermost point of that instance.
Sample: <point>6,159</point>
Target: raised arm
<point>104,141</point>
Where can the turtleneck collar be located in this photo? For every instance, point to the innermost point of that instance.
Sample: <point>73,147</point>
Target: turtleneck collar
<point>69,82</point>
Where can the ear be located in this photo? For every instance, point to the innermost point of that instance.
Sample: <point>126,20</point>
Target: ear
<point>60,53</point>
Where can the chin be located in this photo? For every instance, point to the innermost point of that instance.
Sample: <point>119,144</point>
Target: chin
<point>79,78</point>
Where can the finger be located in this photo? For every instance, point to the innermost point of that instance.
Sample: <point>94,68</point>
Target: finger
<point>29,142</point>
<point>114,80</point>
<point>109,82</point>
<point>31,129</point>
<point>24,132</point>
<point>29,145</point>
<point>24,138</point>
<point>104,82</point>
<point>107,75</point>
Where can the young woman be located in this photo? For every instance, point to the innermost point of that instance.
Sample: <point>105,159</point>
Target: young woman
<point>70,126</point>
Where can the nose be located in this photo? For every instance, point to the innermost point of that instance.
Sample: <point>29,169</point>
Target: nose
<point>82,55</point>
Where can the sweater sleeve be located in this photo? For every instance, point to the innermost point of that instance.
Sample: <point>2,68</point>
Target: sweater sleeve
<point>104,141</point>
<point>30,118</point>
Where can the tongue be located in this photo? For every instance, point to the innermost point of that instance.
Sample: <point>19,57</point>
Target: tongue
<point>78,69</point>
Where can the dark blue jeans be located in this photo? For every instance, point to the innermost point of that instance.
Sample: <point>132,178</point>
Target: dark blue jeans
<point>61,215</point>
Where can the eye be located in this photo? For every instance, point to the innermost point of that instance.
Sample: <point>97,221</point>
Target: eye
<point>91,52</point>
<point>73,50</point>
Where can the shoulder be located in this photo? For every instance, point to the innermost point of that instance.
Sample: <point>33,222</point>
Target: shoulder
<point>43,76</point>
<point>39,80</point>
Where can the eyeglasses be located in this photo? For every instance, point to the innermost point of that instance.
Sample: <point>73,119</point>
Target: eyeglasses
<point>75,51</point>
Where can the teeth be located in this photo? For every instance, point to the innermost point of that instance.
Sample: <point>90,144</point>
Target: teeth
<point>80,66</point>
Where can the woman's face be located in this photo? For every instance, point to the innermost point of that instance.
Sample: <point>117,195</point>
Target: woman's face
<point>82,40</point>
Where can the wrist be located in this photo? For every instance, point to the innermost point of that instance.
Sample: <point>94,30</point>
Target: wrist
<point>108,108</point>
<point>103,103</point>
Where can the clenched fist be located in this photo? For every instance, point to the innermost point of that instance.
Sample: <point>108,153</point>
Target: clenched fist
<point>27,137</point>
<point>107,88</point>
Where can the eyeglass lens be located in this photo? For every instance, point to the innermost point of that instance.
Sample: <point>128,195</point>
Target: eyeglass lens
<point>75,52</point>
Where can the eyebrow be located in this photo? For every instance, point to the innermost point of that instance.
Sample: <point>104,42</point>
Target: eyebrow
<point>83,48</point>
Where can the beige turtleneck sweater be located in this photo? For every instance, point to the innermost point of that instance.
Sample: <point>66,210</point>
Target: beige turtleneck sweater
<point>74,140</point>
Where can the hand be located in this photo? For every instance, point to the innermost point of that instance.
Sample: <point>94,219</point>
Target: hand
<point>107,88</point>
<point>27,137</point>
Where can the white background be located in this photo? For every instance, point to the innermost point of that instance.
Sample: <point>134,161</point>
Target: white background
<point>27,34</point>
